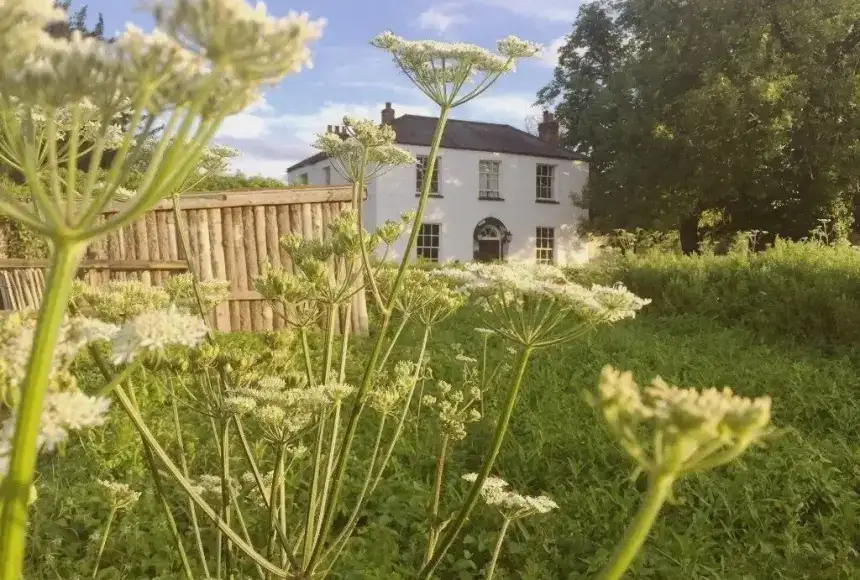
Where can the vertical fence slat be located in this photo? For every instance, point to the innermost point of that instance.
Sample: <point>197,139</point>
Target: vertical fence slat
<point>241,267</point>
<point>261,239</point>
<point>250,243</point>
<point>219,267</point>
<point>230,264</point>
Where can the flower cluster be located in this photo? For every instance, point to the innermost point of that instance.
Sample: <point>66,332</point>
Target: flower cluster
<point>17,332</point>
<point>431,299</point>
<point>392,387</point>
<point>690,430</point>
<point>363,149</point>
<point>284,407</point>
<point>155,330</point>
<point>62,413</point>
<point>441,69</point>
<point>456,408</point>
<point>118,301</point>
<point>495,492</point>
<point>181,290</point>
<point>119,495</point>
<point>543,291</point>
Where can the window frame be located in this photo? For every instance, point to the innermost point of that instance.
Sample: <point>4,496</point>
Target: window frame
<point>487,192</point>
<point>421,245</point>
<point>545,191</point>
<point>303,179</point>
<point>545,245</point>
<point>327,174</point>
<point>420,168</point>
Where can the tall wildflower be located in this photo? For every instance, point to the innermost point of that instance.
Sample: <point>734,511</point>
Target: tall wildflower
<point>669,432</point>
<point>205,60</point>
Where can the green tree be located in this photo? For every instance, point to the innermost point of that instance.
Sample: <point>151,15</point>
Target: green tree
<point>748,108</point>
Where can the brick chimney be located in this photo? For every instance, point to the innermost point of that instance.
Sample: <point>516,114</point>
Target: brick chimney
<point>548,128</point>
<point>387,114</point>
<point>328,129</point>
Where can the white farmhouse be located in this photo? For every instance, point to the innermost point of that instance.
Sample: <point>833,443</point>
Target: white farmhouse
<point>497,192</point>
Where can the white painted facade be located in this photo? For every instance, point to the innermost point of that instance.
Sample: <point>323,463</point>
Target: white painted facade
<point>458,209</point>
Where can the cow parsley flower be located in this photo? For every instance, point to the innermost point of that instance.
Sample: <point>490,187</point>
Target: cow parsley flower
<point>240,39</point>
<point>62,413</point>
<point>495,492</point>
<point>441,70</point>
<point>691,430</point>
<point>120,300</point>
<point>153,331</point>
<point>120,495</point>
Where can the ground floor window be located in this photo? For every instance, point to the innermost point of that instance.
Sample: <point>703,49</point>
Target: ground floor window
<point>428,242</point>
<point>545,245</point>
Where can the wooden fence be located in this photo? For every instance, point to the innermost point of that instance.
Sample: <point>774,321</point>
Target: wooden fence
<point>231,236</point>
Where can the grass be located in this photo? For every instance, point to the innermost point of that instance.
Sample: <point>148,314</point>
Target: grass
<point>786,512</point>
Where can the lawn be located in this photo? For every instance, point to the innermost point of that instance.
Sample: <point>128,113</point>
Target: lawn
<point>787,511</point>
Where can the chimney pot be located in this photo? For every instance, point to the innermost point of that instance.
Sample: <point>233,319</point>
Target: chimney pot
<point>387,114</point>
<point>328,129</point>
<point>548,129</point>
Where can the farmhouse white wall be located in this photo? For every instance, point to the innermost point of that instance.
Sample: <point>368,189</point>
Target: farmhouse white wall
<point>459,209</point>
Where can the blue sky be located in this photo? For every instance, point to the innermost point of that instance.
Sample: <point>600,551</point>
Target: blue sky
<point>351,77</point>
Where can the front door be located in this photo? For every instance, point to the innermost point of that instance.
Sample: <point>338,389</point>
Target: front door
<point>489,251</point>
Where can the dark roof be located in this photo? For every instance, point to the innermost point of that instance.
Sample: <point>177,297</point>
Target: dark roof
<point>470,135</point>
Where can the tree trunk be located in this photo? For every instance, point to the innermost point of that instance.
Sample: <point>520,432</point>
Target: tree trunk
<point>689,234</point>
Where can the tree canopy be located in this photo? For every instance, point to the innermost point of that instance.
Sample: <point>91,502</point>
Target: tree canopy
<point>746,108</point>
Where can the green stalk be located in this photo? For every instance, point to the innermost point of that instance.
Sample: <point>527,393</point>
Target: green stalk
<point>174,473</point>
<point>499,436</point>
<point>329,464</point>
<point>437,499</point>
<point>282,508</point>
<point>22,464</point>
<point>225,494</point>
<point>491,569</point>
<point>314,506</point>
<point>162,497</point>
<point>201,552</point>
<point>103,542</point>
<point>370,370</point>
<point>659,489</point>
<point>276,475</point>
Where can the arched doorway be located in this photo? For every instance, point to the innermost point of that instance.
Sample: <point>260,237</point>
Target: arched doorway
<point>491,239</point>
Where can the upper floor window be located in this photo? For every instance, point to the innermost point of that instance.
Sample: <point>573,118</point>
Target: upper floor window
<point>421,170</point>
<point>327,174</point>
<point>545,181</point>
<point>488,180</point>
<point>545,245</point>
<point>427,247</point>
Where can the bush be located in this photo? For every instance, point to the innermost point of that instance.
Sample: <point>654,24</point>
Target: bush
<point>804,290</point>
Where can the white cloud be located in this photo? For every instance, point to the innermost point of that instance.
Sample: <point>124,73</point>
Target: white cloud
<point>510,108</point>
<point>270,142</point>
<point>441,17</point>
<point>553,10</point>
<point>549,55</point>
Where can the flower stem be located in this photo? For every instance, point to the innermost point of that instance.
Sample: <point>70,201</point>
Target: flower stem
<point>22,464</point>
<point>491,569</point>
<point>103,541</point>
<point>327,511</point>
<point>659,489</point>
<point>437,499</point>
<point>501,430</point>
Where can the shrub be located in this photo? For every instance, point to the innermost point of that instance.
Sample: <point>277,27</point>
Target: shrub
<point>805,290</point>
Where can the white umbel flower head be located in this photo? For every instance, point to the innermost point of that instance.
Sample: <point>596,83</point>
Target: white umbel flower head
<point>696,430</point>
<point>153,331</point>
<point>241,39</point>
<point>442,69</point>
<point>119,495</point>
<point>497,493</point>
<point>62,413</point>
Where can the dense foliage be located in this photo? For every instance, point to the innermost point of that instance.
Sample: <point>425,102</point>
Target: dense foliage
<point>806,290</point>
<point>745,108</point>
